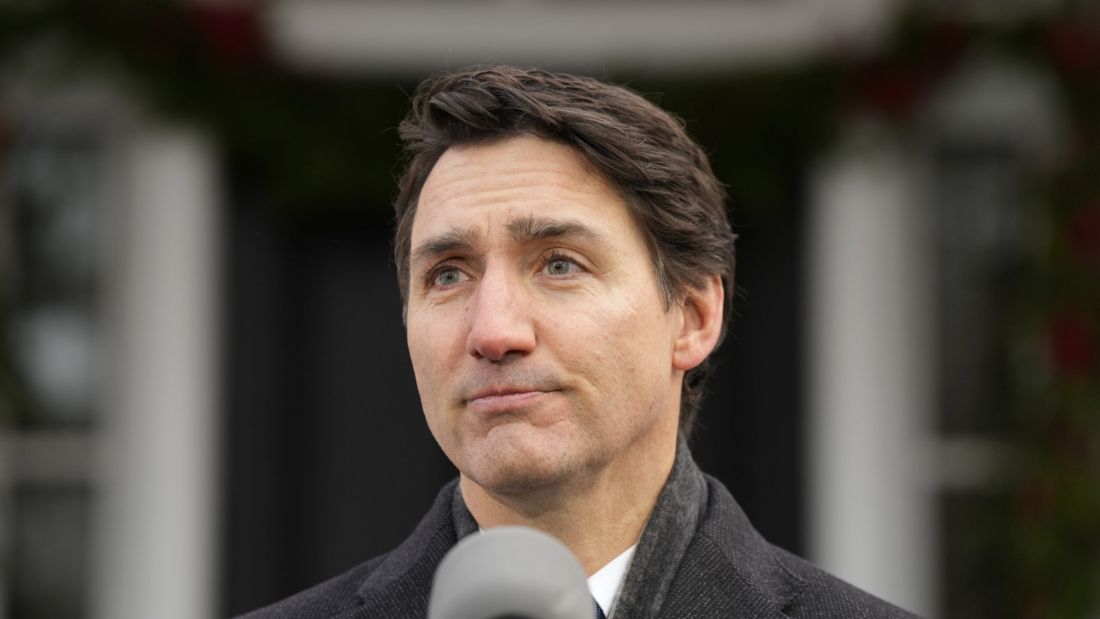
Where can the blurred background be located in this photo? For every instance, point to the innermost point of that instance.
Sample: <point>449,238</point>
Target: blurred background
<point>206,402</point>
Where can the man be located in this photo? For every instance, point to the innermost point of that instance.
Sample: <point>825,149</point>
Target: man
<point>566,263</point>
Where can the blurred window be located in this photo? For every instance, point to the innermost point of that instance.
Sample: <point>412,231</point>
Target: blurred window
<point>53,186</point>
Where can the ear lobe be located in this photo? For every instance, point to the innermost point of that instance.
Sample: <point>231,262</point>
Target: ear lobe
<point>702,309</point>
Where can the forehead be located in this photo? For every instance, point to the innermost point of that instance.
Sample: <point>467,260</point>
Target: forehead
<point>482,187</point>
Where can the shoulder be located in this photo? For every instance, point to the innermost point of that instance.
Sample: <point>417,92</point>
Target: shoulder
<point>331,598</point>
<point>825,595</point>
<point>395,585</point>
<point>795,587</point>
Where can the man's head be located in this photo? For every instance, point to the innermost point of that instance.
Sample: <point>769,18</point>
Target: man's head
<point>562,238</point>
<point>645,155</point>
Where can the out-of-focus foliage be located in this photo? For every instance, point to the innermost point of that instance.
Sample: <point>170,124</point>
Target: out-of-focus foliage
<point>1048,541</point>
<point>308,142</point>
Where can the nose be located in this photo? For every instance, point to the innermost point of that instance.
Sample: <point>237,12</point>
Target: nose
<point>500,322</point>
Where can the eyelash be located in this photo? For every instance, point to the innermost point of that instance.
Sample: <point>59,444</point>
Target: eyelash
<point>546,259</point>
<point>434,273</point>
<point>559,255</point>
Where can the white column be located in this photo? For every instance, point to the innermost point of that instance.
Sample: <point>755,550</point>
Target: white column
<point>870,313</point>
<point>156,525</point>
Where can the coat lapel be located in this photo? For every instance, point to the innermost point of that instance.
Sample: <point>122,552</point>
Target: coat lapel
<point>729,570</point>
<point>401,585</point>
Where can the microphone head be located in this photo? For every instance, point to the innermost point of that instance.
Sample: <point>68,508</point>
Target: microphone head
<point>513,572</point>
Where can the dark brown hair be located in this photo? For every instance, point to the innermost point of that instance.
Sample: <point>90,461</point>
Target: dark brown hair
<point>662,175</point>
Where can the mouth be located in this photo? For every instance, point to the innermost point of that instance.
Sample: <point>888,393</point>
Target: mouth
<point>504,397</point>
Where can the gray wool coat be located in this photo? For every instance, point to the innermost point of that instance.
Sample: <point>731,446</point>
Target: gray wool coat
<point>698,558</point>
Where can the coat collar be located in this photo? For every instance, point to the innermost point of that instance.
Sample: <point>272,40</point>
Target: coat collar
<point>665,540</point>
<point>698,556</point>
<point>729,570</point>
<point>399,588</point>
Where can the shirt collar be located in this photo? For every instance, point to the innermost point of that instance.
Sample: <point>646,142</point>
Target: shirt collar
<point>604,584</point>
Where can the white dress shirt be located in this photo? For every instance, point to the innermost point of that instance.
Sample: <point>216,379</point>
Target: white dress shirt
<point>605,583</point>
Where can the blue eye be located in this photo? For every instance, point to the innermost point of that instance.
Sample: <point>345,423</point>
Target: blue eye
<point>559,266</point>
<point>447,277</point>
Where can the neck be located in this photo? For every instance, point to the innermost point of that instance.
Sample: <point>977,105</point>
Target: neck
<point>597,517</point>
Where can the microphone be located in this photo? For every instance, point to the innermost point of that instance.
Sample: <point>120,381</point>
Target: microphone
<point>510,572</point>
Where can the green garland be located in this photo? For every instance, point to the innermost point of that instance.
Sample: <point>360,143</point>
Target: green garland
<point>307,142</point>
<point>316,145</point>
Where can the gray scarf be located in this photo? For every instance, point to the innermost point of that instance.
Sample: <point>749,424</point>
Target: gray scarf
<point>661,548</point>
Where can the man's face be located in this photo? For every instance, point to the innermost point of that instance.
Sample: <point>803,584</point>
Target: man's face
<point>540,339</point>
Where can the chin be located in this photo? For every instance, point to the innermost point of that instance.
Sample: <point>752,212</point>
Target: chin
<point>519,459</point>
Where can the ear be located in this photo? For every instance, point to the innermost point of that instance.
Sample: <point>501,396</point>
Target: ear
<point>702,310</point>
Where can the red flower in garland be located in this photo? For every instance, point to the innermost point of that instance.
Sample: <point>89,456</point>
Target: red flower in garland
<point>1072,48</point>
<point>1072,344</point>
<point>1084,234</point>
<point>890,89</point>
<point>233,31</point>
<point>895,87</point>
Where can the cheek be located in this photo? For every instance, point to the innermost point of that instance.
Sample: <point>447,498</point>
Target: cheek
<point>417,346</point>
<point>429,368</point>
<point>620,341</point>
<point>429,350</point>
<point>633,320</point>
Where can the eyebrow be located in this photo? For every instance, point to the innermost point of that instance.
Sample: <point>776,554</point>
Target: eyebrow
<point>452,240</point>
<point>523,230</point>
<point>533,228</point>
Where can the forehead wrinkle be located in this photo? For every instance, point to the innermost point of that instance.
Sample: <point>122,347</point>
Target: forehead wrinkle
<point>462,163</point>
<point>506,186</point>
<point>460,184</point>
